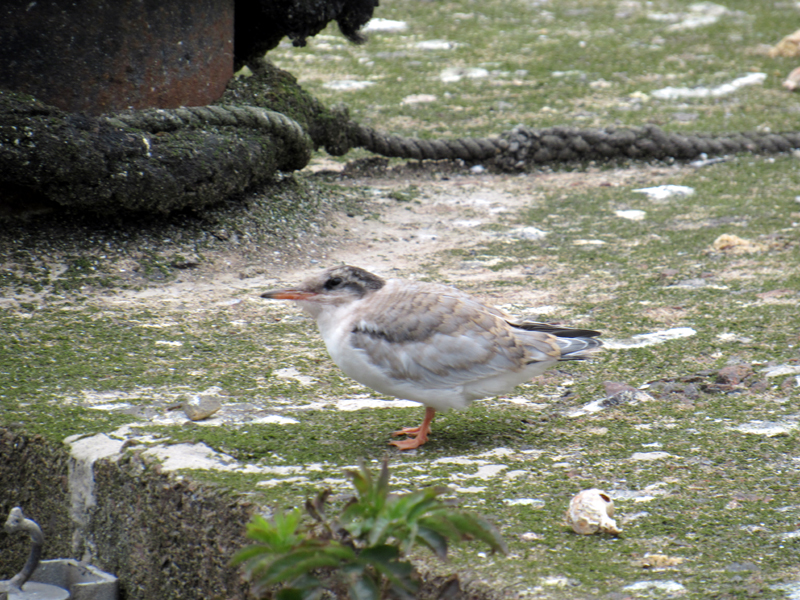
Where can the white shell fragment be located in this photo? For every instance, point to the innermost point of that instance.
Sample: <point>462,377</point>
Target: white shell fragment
<point>642,340</point>
<point>435,45</point>
<point>591,511</point>
<point>532,234</point>
<point>631,215</point>
<point>792,80</point>
<point>454,74</point>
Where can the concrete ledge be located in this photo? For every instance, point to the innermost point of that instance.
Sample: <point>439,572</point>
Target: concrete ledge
<point>163,536</point>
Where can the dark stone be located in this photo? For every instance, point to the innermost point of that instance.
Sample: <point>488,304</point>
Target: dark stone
<point>716,388</point>
<point>691,391</point>
<point>673,387</point>
<point>790,383</point>
<point>613,387</point>
<point>734,374</point>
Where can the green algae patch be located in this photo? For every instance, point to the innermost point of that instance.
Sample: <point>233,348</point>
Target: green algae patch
<point>588,63</point>
<point>702,470</point>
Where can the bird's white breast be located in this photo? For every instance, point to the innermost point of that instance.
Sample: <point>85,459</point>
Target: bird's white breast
<point>428,342</point>
<point>336,324</point>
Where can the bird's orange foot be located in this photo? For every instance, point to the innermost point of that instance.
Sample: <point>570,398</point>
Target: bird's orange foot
<point>408,431</point>
<point>420,434</point>
<point>410,443</point>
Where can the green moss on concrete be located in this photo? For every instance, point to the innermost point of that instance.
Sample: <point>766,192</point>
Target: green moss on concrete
<point>33,476</point>
<point>166,537</point>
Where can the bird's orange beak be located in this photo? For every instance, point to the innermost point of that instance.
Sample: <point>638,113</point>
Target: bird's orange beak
<point>288,295</point>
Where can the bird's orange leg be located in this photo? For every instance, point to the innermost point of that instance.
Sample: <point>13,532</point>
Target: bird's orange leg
<point>420,433</point>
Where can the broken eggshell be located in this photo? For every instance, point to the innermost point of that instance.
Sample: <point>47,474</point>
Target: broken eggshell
<point>591,511</point>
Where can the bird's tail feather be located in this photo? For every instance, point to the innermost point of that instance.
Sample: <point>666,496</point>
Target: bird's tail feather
<point>577,348</point>
<point>556,330</point>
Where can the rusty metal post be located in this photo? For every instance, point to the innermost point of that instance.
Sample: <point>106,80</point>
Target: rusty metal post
<point>98,56</point>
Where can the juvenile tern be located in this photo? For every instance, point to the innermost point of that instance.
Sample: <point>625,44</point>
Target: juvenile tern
<point>428,342</point>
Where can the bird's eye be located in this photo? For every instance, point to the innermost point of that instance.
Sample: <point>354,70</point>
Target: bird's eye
<point>333,282</point>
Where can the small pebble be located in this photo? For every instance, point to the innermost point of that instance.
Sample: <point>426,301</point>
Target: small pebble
<point>202,405</point>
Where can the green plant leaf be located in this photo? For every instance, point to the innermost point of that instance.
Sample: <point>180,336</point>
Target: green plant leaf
<point>378,530</point>
<point>316,508</point>
<point>365,545</point>
<point>309,586</point>
<point>353,568</point>
<point>476,527</point>
<point>439,522</point>
<point>364,588</point>
<point>382,553</point>
<point>305,582</point>
<point>382,487</point>
<point>433,540</point>
<point>428,502</point>
<point>291,594</point>
<point>362,481</point>
<point>279,535</point>
<point>404,507</point>
<point>371,492</point>
<point>384,560</point>
<point>249,552</point>
<point>295,564</point>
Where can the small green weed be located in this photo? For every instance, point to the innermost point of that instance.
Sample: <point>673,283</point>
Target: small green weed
<point>364,546</point>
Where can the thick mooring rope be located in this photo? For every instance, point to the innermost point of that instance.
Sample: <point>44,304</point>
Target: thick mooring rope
<point>163,160</point>
<point>468,149</point>
<point>529,147</point>
<point>524,148</point>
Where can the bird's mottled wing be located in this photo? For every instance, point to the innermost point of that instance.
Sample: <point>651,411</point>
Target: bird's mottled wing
<point>442,338</point>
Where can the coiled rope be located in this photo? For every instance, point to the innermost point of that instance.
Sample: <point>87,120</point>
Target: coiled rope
<point>164,160</point>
